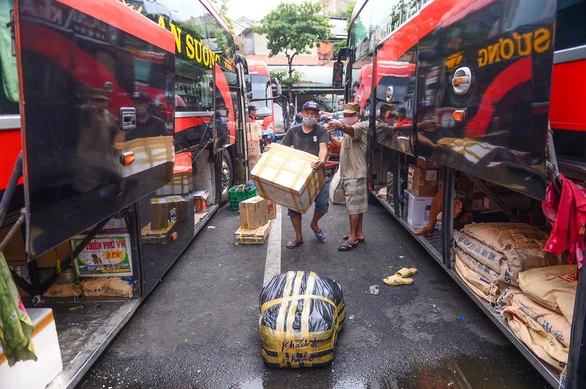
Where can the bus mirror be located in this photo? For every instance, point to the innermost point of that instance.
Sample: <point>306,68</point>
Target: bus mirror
<point>344,53</point>
<point>277,86</point>
<point>338,73</point>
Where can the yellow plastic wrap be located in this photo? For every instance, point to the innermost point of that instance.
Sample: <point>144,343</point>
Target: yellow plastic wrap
<point>301,315</point>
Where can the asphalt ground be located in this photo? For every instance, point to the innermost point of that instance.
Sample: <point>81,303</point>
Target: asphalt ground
<point>199,327</point>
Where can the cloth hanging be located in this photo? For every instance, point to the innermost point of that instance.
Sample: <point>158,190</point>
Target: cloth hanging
<point>567,213</point>
<point>16,328</point>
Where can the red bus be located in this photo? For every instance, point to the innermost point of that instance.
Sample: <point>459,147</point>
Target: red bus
<point>116,118</point>
<point>481,81</point>
<point>261,88</point>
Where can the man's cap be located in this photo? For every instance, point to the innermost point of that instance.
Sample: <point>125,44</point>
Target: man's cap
<point>140,96</point>
<point>311,105</point>
<point>98,94</point>
<point>351,108</point>
<point>323,118</point>
<point>403,110</point>
<point>298,117</point>
<point>251,108</point>
<point>386,107</point>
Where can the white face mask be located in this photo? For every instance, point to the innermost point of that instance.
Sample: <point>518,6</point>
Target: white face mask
<point>351,120</point>
<point>310,122</point>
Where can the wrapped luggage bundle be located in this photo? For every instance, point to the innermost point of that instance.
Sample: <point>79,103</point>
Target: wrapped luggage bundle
<point>301,315</point>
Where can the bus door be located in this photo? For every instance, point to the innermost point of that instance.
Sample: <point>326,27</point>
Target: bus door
<point>483,96</point>
<point>93,142</point>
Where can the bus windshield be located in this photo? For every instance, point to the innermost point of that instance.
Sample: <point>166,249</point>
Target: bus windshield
<point>261,89</point>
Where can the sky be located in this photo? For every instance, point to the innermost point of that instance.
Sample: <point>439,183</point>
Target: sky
<point>253,9</point>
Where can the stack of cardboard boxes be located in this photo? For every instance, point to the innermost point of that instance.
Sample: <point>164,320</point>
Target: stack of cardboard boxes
<point>256,214</point>
<point>422,185</point>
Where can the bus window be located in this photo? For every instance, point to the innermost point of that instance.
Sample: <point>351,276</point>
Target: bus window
<point>9,92</point>
<point>570,28</point>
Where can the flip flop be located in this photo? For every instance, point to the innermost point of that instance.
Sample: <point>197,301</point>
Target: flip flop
<point>292,244</point>
<point>320,235</point>
<point>396,280</point>
<point>347,236</point>
<point>347,246</point>
<point>405,272</point>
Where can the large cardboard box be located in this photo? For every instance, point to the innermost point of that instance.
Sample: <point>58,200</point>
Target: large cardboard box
<point>418,209</point>
<point>425,163</point>
<point>254,212</point>
<point>422,182</point>
<point>257,236</point>
<point>284,175</point>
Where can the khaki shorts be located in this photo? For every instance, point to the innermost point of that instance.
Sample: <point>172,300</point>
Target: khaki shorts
<point>356,195</point>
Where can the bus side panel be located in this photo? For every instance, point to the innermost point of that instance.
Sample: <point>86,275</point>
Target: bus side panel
<point>504,52</point>
<point>567,104</point>
<point>72,95</point>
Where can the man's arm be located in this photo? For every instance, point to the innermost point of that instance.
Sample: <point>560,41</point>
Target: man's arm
<point>334,139</point>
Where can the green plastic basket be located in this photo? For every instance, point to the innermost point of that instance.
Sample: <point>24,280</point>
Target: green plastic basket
<point>238,194</point>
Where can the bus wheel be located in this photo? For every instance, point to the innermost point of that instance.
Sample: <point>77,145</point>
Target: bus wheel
<point>226,177</point>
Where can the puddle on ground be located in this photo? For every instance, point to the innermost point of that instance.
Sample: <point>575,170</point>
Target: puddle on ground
<point>469,372</point>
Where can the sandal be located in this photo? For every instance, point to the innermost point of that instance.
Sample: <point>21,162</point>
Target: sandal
<point>347,246</point>
<point>293,243</point>
<point>347,236</point>
<point>320,235</point>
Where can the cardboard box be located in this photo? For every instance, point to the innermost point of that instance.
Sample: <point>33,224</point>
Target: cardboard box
<point>422,182</point>
<point>254,213</point>
<point>163,211</point>
<point>425,163</point>
<point>418,210</point>
<point>284,175</point>
<point>253,136</point>
<point>181,204</point>
<point>14,252</point>
<point>159,235</point>
<point>257,236</point>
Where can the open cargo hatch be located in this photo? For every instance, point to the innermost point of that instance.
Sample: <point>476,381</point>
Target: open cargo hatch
<point>484,88</point>
<point>97,109</point>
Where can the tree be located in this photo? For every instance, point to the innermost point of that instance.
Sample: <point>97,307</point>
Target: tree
<point>294,29</point>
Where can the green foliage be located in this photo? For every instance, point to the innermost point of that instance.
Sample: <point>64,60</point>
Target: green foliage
<point>348,16</point>
<point>401,7</point>
<point>223,9</point>
<point>294,29</point>
<point>286,79</point>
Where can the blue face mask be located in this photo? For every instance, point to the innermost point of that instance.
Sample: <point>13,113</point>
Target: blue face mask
<point>310,122</point>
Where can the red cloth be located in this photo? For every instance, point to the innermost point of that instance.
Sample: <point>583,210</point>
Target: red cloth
<point>569,211</point>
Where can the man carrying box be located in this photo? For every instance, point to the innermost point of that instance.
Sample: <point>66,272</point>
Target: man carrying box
<point>312,138</point>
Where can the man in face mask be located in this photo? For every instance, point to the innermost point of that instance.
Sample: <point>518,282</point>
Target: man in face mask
<point>352,170</point>
<point>312,138</point>
<point>147,125</point>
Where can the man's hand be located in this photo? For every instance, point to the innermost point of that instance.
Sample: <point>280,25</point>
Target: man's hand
<point>315,165</point>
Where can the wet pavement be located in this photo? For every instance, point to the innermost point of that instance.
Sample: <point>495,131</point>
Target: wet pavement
<point>199,327</point>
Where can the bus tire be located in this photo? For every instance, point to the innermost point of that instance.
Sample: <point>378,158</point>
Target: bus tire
<point>226,177</point>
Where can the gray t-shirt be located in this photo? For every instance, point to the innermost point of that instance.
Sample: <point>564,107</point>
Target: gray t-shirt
<point>306,142</point>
